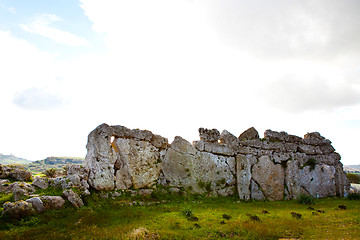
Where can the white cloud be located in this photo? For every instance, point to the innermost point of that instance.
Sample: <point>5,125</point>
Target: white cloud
<point>293,94</point>
<point>37,99</point>
<point>12,10</point>
<point>41,26</point>
<point>289,29</point>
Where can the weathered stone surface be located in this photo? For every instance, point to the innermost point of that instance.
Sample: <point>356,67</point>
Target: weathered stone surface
<point>342,184</point>
<point>18,209</point>
<point>21,190</point>
<point>326,149</point>
<point>40,183</point>
<point>270,177</point>
<point>37,204</point>
<point>319,182</point>
<point>19,194</point>
<point>145,192</point>
<point>16,172</point>
<point>214,147</point>
<point>229,140</point>
<point>159,141</point>
<point>249,134</point>
<point>142,159</point>
<point>4,173</point>
<point>314,138</point>
<point>67,181</point>
<point>209,135</point>
<point>76,169</point>
<point>73,198</point>
<point>244,175</point>
<point>21,174</point>
<point>279,157</point>
<point>256,192</point>
<point>142,135</point>
<point>292,179</point>
<point>281,136</point>
<point>123,178</point>
<point>196,171</point>
<point>309,149</point>
<point>52,202</point>
<point>100,158</point>
<point>181,145</point>
<point>4,185</point>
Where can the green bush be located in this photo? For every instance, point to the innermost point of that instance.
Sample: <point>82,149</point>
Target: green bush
<point>187,212</point>
<point>50,173</point>
<point>353,196</point>
<point>353,177</point>
<point>306,199</point>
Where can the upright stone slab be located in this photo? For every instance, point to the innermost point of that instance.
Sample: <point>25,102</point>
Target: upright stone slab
<point>100,158</point>
<point>197,171</point>
<point>270,178</point>
<point>141,160</point>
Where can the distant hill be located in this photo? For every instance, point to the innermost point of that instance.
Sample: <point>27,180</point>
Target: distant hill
<point>352,168</point>
<point>52,162</point>
<point>41,165</point>
<point>11,159</point>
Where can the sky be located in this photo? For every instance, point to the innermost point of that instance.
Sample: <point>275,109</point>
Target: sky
<point>67,66</point>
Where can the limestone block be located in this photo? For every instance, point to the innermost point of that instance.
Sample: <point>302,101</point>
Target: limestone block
<point>243,166</point>
<point>142,160</point>
<point>292,179</point>
<point>217,148</point>
<point>198,173</point>
<point>319,182</point>
<point>309,149</point>
<point>182,145</point>
<point>327,149</point>
<point>279,157</point>
<point>100,158</point>
<point>256,192</point>
<point>209,135</point>
<point>73,198</point>
<point>270,177</point>
<point>281,136</point>
<point>52,202</point>
<point>123,178</point>
<point>40,183</point>
<point>249,134</point>
<point>229,140</point>
<point>18,209</point>
<point>37,204</point>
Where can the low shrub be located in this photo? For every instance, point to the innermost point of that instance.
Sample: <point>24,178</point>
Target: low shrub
<point>187,212</point>
<point>353,196</point>
<point>306,199</point>
<point>353,177</point>
<point>50,173</point>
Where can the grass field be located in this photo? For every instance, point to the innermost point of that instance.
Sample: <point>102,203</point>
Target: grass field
<point>190,218</point>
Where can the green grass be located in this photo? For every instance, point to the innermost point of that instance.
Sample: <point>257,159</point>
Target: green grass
<point>113,219</point>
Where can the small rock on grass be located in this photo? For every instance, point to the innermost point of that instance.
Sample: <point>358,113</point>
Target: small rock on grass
<point>226,216</point>
<point>296,215</point>
<point>254,218</point>
<point>342,207</point>
<point>197,225</point>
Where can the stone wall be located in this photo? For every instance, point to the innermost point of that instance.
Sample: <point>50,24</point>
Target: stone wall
<point>279,166</point>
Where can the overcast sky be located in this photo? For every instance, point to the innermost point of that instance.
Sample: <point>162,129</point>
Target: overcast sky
<point>174,66</point>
